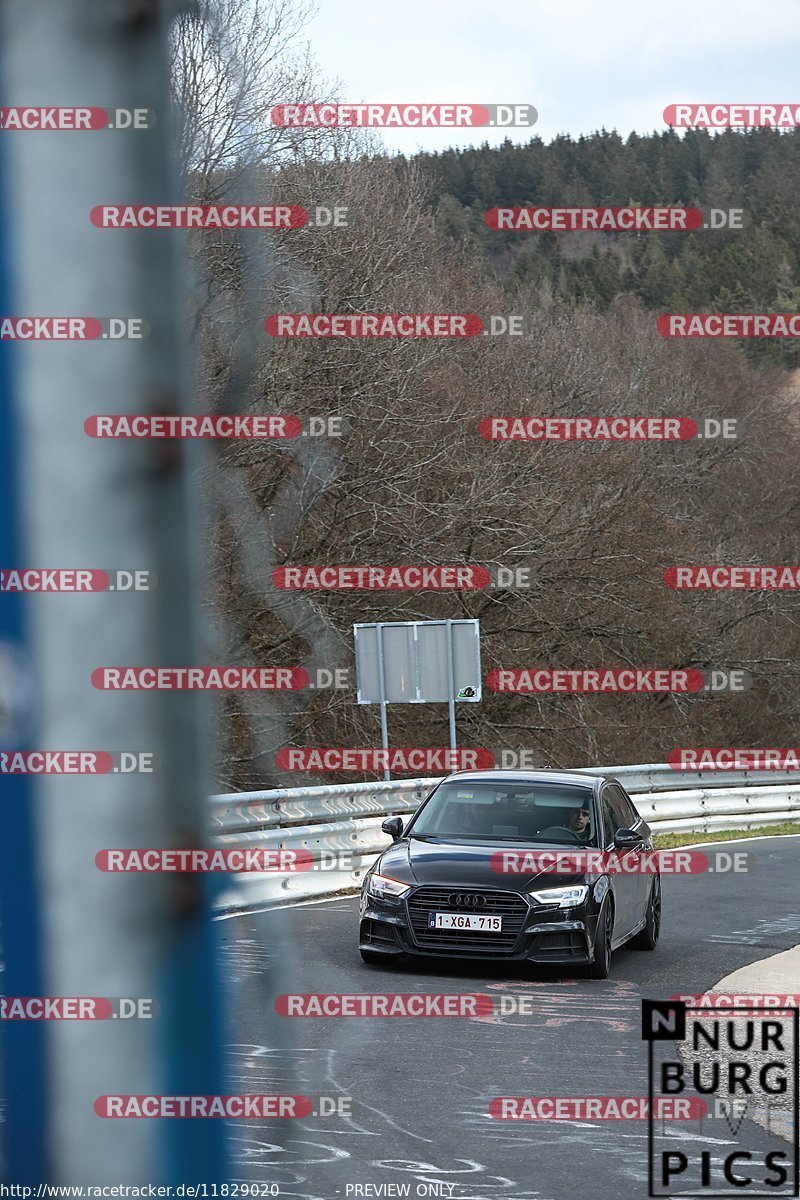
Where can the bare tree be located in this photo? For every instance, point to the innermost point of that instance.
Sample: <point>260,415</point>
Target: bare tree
<point>412,481</point>
<point>233,60</point>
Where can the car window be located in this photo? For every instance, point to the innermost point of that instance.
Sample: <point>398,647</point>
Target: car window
<point>617,808</point>
<point>624,808</point>
<point>508,811</point>
<point>610,816</point>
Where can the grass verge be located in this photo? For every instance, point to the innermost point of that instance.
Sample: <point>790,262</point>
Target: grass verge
<point>666,841</point>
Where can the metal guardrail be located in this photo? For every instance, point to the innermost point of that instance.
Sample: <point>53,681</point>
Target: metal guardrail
<point>340,824</point>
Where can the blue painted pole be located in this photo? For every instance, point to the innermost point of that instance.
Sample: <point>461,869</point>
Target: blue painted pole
<point>92,504</point>
<point>24,1150</point>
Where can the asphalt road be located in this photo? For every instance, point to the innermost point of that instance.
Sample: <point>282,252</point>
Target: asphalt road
<point>420,1088</point>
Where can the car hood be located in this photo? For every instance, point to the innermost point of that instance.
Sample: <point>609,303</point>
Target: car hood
<point>455,863</point>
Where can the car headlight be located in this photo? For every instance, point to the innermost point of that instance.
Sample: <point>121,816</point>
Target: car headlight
<point>382,886</point>
<point>562,897</point>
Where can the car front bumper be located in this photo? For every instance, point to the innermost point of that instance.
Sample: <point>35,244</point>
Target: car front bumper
<point>541,935</point>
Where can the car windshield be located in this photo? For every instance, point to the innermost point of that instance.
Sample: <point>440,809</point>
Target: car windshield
<point>549,813</point>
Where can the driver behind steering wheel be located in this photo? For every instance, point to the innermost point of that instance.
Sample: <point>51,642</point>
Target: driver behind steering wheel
<point>578,823</point>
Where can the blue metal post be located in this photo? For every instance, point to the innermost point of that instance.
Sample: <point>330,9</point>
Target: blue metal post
<point>22,1041</point>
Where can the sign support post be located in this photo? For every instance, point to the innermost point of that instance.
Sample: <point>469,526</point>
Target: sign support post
<point>451,686</point>
<point>387,775</point>
<point>418,662</point>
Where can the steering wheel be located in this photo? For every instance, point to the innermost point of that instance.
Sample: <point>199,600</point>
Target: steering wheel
<point>562,829</point>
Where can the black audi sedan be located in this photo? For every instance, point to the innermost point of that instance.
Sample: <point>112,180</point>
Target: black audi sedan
<point>482,871</point>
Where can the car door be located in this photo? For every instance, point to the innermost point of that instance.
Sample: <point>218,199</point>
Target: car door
<point>638,823</point>
<point>624,885</point>
<point>628,818</point>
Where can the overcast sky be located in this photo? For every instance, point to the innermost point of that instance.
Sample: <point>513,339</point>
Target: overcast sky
<point>583,64</point>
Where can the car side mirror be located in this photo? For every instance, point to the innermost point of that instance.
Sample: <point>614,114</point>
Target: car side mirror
<point>393,826</point>
<point>627,839</point>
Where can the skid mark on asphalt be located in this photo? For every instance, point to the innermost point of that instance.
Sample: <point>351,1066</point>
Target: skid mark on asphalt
<point>244,959</point>
<point>759,935</point>
<point>458,1173</point>
<point>559,1142</point>
<point>613,1003</point>
<point>257,1152</point>
<point>300,1157</point>
<point>261,1160</point>
<point>270,1068</point>
<point>300,1071</point>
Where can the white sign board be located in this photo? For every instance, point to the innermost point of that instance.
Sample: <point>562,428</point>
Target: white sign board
<point>418,662</point>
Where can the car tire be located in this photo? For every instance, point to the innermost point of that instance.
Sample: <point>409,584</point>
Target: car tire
<point>602,943</point>
<point>647,938</point>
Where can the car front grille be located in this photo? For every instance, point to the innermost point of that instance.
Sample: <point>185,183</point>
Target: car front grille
<point>508,905</point>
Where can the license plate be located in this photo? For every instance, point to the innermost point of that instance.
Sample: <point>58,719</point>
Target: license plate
<point>438,920</point>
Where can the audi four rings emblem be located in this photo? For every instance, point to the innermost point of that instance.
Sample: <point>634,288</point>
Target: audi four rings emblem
<point>466,899</point>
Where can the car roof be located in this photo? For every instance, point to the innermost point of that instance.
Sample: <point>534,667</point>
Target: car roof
<point>572,778</point>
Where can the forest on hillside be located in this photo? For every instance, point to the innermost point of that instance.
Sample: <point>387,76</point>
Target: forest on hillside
<point>412,481</point>
<point>715,270</point>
